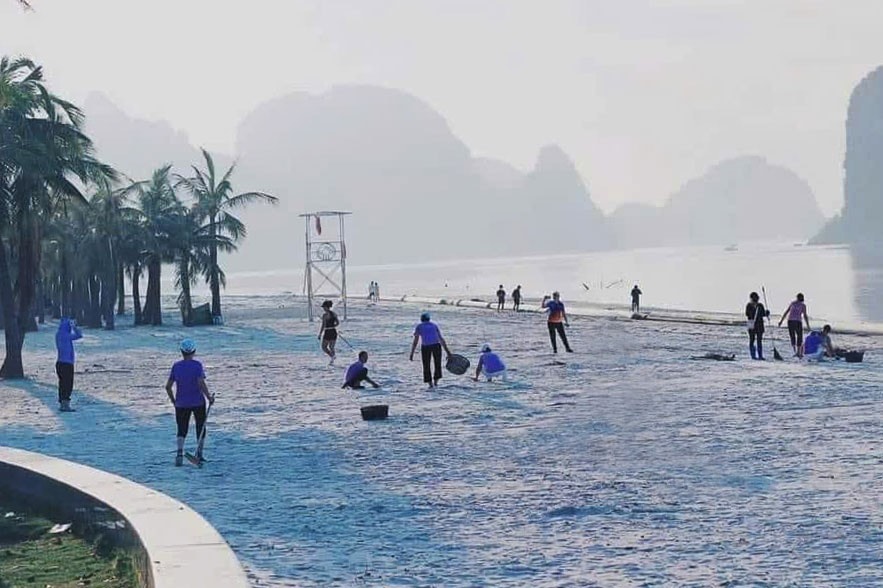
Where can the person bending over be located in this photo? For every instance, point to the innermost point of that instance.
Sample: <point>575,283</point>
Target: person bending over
<point>358,373</point>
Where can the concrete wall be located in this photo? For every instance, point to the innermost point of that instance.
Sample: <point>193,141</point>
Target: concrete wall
<point>173,545</point>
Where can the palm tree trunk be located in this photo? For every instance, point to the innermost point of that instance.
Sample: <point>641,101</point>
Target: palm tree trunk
<point>153,305</point>
<point>121,290</point>
<point>214,280</point>
<point>12,364</point>
<point>186,299</point>
<point>136,295</point>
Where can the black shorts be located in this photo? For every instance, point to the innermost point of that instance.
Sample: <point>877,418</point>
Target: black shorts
<point>330,335</point>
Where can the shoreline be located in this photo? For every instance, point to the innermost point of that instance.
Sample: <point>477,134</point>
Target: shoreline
<point>623,313</point>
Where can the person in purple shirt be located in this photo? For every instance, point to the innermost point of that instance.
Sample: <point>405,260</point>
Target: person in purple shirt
<point>431,342</point>
<point>490,364</point>
<point>358,373</point>
<point>189,398</point>
<point>64,366</point>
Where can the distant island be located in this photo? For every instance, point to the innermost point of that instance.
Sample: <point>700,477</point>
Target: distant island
<point>420,194</point>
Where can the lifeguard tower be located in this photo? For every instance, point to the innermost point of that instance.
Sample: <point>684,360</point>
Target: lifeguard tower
<point>325,272</point>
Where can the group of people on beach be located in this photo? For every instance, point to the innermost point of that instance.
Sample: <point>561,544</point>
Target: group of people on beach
<point>815,346</point>
<point>373,291</point>
<point>501,298</point>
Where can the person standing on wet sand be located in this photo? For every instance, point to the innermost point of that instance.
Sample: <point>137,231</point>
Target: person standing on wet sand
<point>328,331</point>
<point>64,366</point>
<point>501,298</point>
<point>756,315</point>
<point>431,342</point>
<point>516,298</point>
<point>795,312</point>
<point>556,321</point>
<point>636,299</point>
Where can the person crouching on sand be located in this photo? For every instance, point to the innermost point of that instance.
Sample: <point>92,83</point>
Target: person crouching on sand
<point>358,373</point>
<point>189,398</point>
<point>431,342</point>
<point>328,331</point>
<point>490,364</point>
<point>818,345</point>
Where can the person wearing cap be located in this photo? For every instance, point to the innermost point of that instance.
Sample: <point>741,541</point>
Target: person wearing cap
<point>328,331</point>
<point>358,373</point>
<point>490,364</point>
<point>189,397</point>
<point>556,321</point>
<point>64,366</point>
<point>431,342</point>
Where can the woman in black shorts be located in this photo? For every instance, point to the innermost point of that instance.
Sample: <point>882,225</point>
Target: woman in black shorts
<point>328,332</point>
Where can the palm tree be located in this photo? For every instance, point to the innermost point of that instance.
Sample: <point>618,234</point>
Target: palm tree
<point>41,149</point>
<point>158,210</point>
<point>214,201</point>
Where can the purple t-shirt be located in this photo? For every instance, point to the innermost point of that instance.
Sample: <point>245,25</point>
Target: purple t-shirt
<point>429,333</point>
<point>186,374</point>
<point>795,313</point>
<point>352,371</point>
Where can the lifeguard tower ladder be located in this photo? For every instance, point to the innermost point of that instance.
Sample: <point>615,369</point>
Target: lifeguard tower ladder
<point>325,272</point>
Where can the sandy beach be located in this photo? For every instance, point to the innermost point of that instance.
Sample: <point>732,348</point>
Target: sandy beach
<point>623,463</point>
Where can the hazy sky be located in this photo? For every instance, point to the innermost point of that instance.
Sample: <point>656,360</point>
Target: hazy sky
<point>642,94</point>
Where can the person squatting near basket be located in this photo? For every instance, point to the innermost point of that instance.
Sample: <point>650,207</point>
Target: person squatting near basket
<point>431,345</point>
<point>490,364</point>
<point>795,312</point>
<point>65,336</point>
<point>189,398</point>
<point>756,314</point>
<point>818,345</point>
<point>328,331</point>
<point>557,321</point>
<point>358,373</point>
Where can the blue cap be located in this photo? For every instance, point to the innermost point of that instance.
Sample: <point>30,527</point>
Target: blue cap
<point>424,317</point>
<point>188,346</point>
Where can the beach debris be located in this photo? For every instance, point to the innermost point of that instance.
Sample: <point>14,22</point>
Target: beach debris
<point>716,356</point>
<point>375,412</point>
<point>60,528</point>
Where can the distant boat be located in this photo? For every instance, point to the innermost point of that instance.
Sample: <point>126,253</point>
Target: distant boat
<point>731,248</point>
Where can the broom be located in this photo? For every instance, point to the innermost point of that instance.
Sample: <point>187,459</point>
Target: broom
<point>776,355</point>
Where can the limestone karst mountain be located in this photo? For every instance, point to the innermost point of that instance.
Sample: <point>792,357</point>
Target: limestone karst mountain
<point>859,221</point>
<point>740,199</point>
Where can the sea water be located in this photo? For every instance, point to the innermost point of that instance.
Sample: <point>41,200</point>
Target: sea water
<point>842,285</point>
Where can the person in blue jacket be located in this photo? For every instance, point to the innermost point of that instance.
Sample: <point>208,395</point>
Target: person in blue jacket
<point>65,336</point>
<point>490,364</point>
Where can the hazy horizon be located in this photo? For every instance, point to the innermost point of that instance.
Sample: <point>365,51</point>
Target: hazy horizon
<point>643,97</point>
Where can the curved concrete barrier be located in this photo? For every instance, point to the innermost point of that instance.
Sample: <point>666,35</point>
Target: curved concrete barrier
<point>174,546</point>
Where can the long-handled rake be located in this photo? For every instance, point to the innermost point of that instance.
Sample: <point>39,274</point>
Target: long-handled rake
<point>776,355</point>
